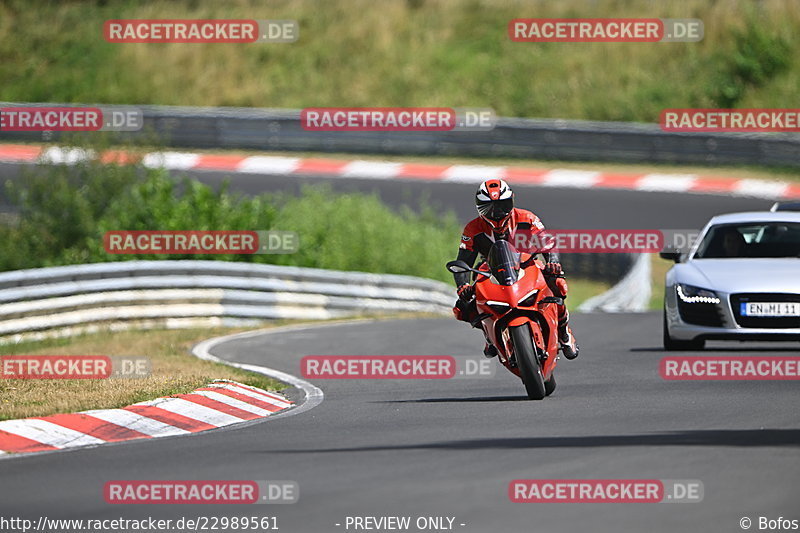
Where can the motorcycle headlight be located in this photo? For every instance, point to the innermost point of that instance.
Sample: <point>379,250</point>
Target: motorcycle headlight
<point>498,307</point>
<point>529,299</point>
<point>695,295</point>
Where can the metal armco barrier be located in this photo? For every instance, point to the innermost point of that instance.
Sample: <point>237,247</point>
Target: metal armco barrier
<point>567,140</point>
<point>67,300</point>
<point>631,294</point>
<point>598,267</point>
<point>192,293</point>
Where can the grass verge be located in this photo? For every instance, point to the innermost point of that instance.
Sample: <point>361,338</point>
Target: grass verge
<point>658,273</point>
<point>581,290</point>
<point>407,52</point>
<point>174,371</point>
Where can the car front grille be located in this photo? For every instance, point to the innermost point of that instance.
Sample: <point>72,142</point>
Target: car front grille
<point>780,322</point>
<point>700,314</point>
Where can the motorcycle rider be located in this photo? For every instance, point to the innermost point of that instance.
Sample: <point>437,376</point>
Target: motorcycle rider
<point>499,219</point>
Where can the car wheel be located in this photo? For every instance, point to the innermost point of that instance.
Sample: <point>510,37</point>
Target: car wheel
<point>671,344</point>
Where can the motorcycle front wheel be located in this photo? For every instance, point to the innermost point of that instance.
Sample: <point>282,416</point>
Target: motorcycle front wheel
<point>550,385</point>
<point>528,363</point>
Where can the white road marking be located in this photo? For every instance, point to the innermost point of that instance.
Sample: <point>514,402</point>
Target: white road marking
<point>136,422</point>
<point>170,160</point>
<point>259,164</point>
<point>371,169</point>
<point>472,173</point>
<point>666,182</point>
<point>48,433</point>
<point>580,179</point>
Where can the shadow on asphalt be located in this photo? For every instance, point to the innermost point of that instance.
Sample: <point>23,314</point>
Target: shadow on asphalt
<point>794,349</point>
<point>746,438</point>
<point>461,400</point>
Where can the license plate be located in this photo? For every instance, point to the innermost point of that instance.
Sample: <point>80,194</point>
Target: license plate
<point>770,309</point>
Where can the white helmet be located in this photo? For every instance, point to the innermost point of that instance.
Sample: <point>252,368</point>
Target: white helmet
<point>495,202</point>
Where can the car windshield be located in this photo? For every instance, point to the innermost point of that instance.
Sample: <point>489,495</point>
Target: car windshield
<point>752,239</point>
<point>504,261</point>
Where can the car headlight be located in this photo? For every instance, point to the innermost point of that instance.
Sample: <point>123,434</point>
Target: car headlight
<point>529,299</point>
<point>695,295</point>
<point>498,307</point>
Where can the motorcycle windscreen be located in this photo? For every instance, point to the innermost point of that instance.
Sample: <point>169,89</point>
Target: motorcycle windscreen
<point>503,261</point>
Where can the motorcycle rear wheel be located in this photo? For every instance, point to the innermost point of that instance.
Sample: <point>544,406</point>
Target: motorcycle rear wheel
<point>528,363</point>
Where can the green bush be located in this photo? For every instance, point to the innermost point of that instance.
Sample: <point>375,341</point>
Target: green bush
<point>64,211</point>
<point>758,56</point>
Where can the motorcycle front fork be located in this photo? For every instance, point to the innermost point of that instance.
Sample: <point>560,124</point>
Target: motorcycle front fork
<point>505,339</point>
<point>540,355</point>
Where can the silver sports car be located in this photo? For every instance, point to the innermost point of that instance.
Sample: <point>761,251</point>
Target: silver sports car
<point>740,281</point>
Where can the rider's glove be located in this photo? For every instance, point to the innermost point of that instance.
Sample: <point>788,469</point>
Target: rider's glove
<point>465,292</point>
<point>553,269</point>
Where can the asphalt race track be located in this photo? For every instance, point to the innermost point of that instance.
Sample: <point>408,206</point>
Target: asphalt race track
<point>451,447</point>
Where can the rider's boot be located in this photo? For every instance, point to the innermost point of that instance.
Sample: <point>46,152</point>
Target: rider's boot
<point>489,350</point>
<point>569,346</point>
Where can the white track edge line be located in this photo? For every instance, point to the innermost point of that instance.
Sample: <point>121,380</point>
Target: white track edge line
<point>314,395</point>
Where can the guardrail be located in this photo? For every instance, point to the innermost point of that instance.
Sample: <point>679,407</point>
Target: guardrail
<point>567,140</point>
<point>598,267</point>
<point>630,294</point>
<point>66,300</point>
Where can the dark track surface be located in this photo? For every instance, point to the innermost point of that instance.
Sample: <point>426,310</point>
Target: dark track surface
<point>451,448</point>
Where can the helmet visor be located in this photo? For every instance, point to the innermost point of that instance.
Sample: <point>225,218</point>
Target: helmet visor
<point>496,210</point>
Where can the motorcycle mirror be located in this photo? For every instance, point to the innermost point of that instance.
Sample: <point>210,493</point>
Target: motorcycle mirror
<point>458,267</point>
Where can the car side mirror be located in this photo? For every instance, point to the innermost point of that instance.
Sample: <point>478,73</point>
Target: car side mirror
<point>670,256</point>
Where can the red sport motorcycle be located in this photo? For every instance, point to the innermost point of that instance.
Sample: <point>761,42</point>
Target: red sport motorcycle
<point>517,311</point>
